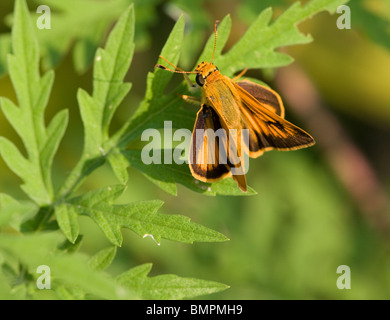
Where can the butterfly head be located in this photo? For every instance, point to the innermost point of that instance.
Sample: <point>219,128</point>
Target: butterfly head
<point>203,70</point>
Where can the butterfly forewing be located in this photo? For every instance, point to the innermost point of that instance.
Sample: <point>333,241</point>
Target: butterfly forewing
<point>213,151</point>
<point>266,96</point>
<point>205,162</point>
<point>267,130</point>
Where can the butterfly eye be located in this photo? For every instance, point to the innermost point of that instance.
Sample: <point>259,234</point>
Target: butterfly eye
<point>199,80</point>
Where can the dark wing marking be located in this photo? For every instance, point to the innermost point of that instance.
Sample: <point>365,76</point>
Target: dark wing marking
<point>267,130</point>
<point>204,159</point>
<point>264,95</point>
<point>209,159</point>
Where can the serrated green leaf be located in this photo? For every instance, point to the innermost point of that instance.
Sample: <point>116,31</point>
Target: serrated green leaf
<point>85,26</point>
<point>174,227</point>
<point>14,116</point>
<point>68,221</point>
<point>28,119</point>
<point>82,30</point>
<point>91,116</point>
<point>110,67</point>
<point>256,48</point>
<point>166,286</point>
<point>55,132</point>
<point>96,204</point>
<point>13,212</point>
<point>140,217</point>
<point>70,270</point>
<point>102,259</point>
<point>119,165</point>
<point>155,102</point>
<point>14,159</point>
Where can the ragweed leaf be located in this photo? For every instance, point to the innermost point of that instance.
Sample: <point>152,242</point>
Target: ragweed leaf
<point>102,259</point>
<point>13,212</point>
<point>70,270</point>
<point>110,67</point>
<point>167,286</point>
<point>32,92</point>
<point>155,101</point>
<point>67,220</point>
<point>81,30</point>
<point>141,217</point>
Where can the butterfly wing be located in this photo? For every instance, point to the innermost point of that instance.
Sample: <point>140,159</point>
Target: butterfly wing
<point>266,96</point>
<point>204,153</point>
<point>209,159</point>
<point>267,129</point>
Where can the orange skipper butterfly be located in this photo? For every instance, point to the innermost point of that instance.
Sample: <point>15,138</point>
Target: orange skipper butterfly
<point>243,108</point>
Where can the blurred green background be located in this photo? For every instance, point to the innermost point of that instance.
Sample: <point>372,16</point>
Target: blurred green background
<point>316,208</point>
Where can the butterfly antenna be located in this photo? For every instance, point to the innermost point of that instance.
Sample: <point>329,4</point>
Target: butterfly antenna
<point>174,71</point>
<point>215,41</point>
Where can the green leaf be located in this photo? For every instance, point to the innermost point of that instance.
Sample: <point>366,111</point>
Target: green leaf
<point>110,67</point>
<point>13,212</point>
<point>68,221</point>
<point>166,286</point>
<point>102,259</point>
<point>155,101</point>
<point>82,30</point>
<point>70,270</point>
<point>119,165</point>
<point>140,217</point>
<point>86,27</point>
<point>174,227</point>
<point>55,133</point>
<point>32,92</point>
<point>256,49</point>
<point>91,116</point>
